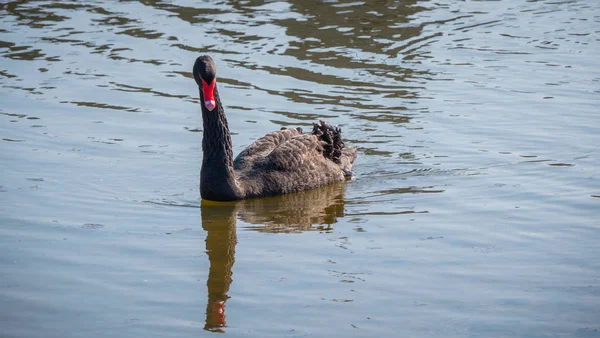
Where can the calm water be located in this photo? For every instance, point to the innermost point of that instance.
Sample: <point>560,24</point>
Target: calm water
<point>475,210</point>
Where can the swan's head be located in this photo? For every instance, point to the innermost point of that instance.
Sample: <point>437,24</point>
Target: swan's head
<point>205,74</point>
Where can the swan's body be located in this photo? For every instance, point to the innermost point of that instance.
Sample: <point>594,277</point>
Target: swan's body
<point>280,162</point>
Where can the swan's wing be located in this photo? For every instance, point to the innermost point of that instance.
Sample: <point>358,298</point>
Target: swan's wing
<point>294,165</point>
<point>294,154</point>
<point>263,147</point>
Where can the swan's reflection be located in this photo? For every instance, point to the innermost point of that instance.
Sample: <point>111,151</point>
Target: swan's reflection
<point>288,213</point>
<point>218,220</point>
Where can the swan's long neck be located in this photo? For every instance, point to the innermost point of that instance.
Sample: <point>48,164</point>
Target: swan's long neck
<point>218,180</point>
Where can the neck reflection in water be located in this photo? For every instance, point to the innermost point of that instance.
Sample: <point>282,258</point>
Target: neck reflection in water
<point>307,210</point>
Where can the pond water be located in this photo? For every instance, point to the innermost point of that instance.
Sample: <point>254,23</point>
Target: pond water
<point>474,212</point>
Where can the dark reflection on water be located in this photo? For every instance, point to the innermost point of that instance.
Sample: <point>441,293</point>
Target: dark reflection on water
<point>364,51</point>
<point>316,209</point>
<point>280,214</point>
<point>344,28</point>
<point>218,220</point>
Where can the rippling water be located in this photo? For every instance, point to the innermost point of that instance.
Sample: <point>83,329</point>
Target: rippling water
<point>474,212</point>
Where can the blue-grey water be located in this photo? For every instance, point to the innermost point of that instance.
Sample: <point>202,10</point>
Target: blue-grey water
<point>474,213</point>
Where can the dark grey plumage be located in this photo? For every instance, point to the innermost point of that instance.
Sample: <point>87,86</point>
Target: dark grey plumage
<point>280,162</point>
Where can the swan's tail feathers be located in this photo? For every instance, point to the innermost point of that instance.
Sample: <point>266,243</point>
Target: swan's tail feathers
<point>333,146</point>
<point>347,159</point>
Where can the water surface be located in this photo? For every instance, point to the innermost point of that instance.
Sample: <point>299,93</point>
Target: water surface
<point>474,212</point>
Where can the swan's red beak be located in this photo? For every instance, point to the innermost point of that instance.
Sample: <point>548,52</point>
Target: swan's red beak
<point>208,92</point>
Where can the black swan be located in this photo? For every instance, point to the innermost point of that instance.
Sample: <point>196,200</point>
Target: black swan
<point>278,163</point>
